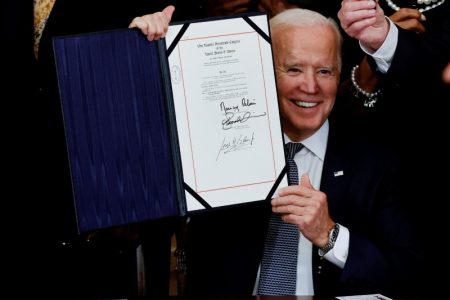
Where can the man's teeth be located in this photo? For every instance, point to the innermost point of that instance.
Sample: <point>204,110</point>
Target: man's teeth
<point>306,104</point>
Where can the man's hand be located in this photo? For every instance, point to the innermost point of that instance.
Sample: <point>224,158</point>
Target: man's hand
<point>446,74</point>
<point>307,208</point>
<point>365,21</point>
<point>155,25</point>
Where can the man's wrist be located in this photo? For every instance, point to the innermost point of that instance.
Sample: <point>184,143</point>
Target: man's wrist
<point>384,55</point>
<point>375,44</point>
<point>332,237</point>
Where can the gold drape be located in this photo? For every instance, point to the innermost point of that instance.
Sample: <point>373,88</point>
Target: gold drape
<point>42,9</point>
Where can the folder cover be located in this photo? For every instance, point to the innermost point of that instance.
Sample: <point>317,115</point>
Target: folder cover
<point>164,128</point>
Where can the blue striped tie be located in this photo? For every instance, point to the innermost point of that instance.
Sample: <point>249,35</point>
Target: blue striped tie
<point>278,273</point>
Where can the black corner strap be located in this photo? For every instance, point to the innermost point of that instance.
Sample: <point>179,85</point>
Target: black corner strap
<point>177,38</point>
<point>257,29</point>
<point>277,183</point>
<point>196,196</point>
<point>268,198</point>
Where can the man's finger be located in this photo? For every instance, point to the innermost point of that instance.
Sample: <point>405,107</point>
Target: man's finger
<point>168,12</point>
<point>305,182</point>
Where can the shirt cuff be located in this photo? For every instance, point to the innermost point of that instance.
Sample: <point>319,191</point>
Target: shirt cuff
<point>338,255</point>
<point>383,56</point>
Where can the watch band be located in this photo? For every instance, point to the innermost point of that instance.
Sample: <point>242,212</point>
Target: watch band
<point>332,237</point>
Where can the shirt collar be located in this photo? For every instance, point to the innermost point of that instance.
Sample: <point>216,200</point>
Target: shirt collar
<point>317,143</point>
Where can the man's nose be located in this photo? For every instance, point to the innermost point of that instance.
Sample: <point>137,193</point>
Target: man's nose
<point>309,83</point>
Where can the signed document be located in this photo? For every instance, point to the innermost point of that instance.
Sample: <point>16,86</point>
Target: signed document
<point>160,129</point>
<point>226,106</point>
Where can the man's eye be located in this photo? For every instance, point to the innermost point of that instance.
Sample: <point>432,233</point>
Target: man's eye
<point>325,72</point>
<point>294,70</point>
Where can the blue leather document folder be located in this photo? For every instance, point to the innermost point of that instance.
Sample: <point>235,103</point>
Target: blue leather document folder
<point>162,128</point>
<point>116,121</point>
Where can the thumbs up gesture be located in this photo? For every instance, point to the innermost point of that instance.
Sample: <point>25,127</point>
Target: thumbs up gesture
<point>307,208</point>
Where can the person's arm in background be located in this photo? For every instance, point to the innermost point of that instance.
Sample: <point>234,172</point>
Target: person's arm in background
<point>231,7</point>
<point>446,74</point>
<point>407,51</point>
<point>406,18</point>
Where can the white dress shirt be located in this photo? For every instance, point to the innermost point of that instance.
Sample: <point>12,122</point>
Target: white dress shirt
<point>383,56</point>
<point>310,160</point>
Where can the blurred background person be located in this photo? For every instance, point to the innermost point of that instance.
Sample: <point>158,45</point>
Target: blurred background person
<point>409,111</point>
<point>446,74</point>
<point>101,263</point>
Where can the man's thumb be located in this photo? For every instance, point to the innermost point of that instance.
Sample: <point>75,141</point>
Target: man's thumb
<point>305,182</point>
<point>168,11</point>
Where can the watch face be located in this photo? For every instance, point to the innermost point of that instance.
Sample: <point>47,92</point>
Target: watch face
<point>331,240</point>
<point>334,233</point>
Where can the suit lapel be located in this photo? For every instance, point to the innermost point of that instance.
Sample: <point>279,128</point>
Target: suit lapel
<point>336,176</point>
<point>336,173</point>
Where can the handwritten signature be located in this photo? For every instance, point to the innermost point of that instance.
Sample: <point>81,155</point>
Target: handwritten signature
<point>233,113</point>
<point>227,109</point>
<point>231,119</point>
<point>247,102</point>
<point>236,143</point>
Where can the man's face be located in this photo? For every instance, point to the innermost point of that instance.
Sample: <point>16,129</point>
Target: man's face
<point>307,77</point>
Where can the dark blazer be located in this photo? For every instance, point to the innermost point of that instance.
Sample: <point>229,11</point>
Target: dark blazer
<point>411,109</point>
<point>414,79</point>
<point>225,247</point>
<point>413,90</point>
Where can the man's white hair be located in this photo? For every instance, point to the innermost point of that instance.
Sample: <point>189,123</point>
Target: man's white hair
<point>306,18</point>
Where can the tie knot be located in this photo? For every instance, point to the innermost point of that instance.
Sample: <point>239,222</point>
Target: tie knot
<point>292,149</point>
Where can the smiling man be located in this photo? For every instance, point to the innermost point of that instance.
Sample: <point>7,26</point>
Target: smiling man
<point>307,70</point>
<point>341,228</point>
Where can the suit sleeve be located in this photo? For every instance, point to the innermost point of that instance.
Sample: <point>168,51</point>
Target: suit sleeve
<point>428,53</point>
<point>384,253</point>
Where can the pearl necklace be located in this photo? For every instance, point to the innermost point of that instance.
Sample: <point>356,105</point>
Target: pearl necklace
<point>434,3</point>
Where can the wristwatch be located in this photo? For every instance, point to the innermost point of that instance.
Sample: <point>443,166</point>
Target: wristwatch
<point>332,237</point>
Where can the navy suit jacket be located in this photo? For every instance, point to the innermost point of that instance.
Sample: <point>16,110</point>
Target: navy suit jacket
<point>411,117</point>
<point>224,247</point>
